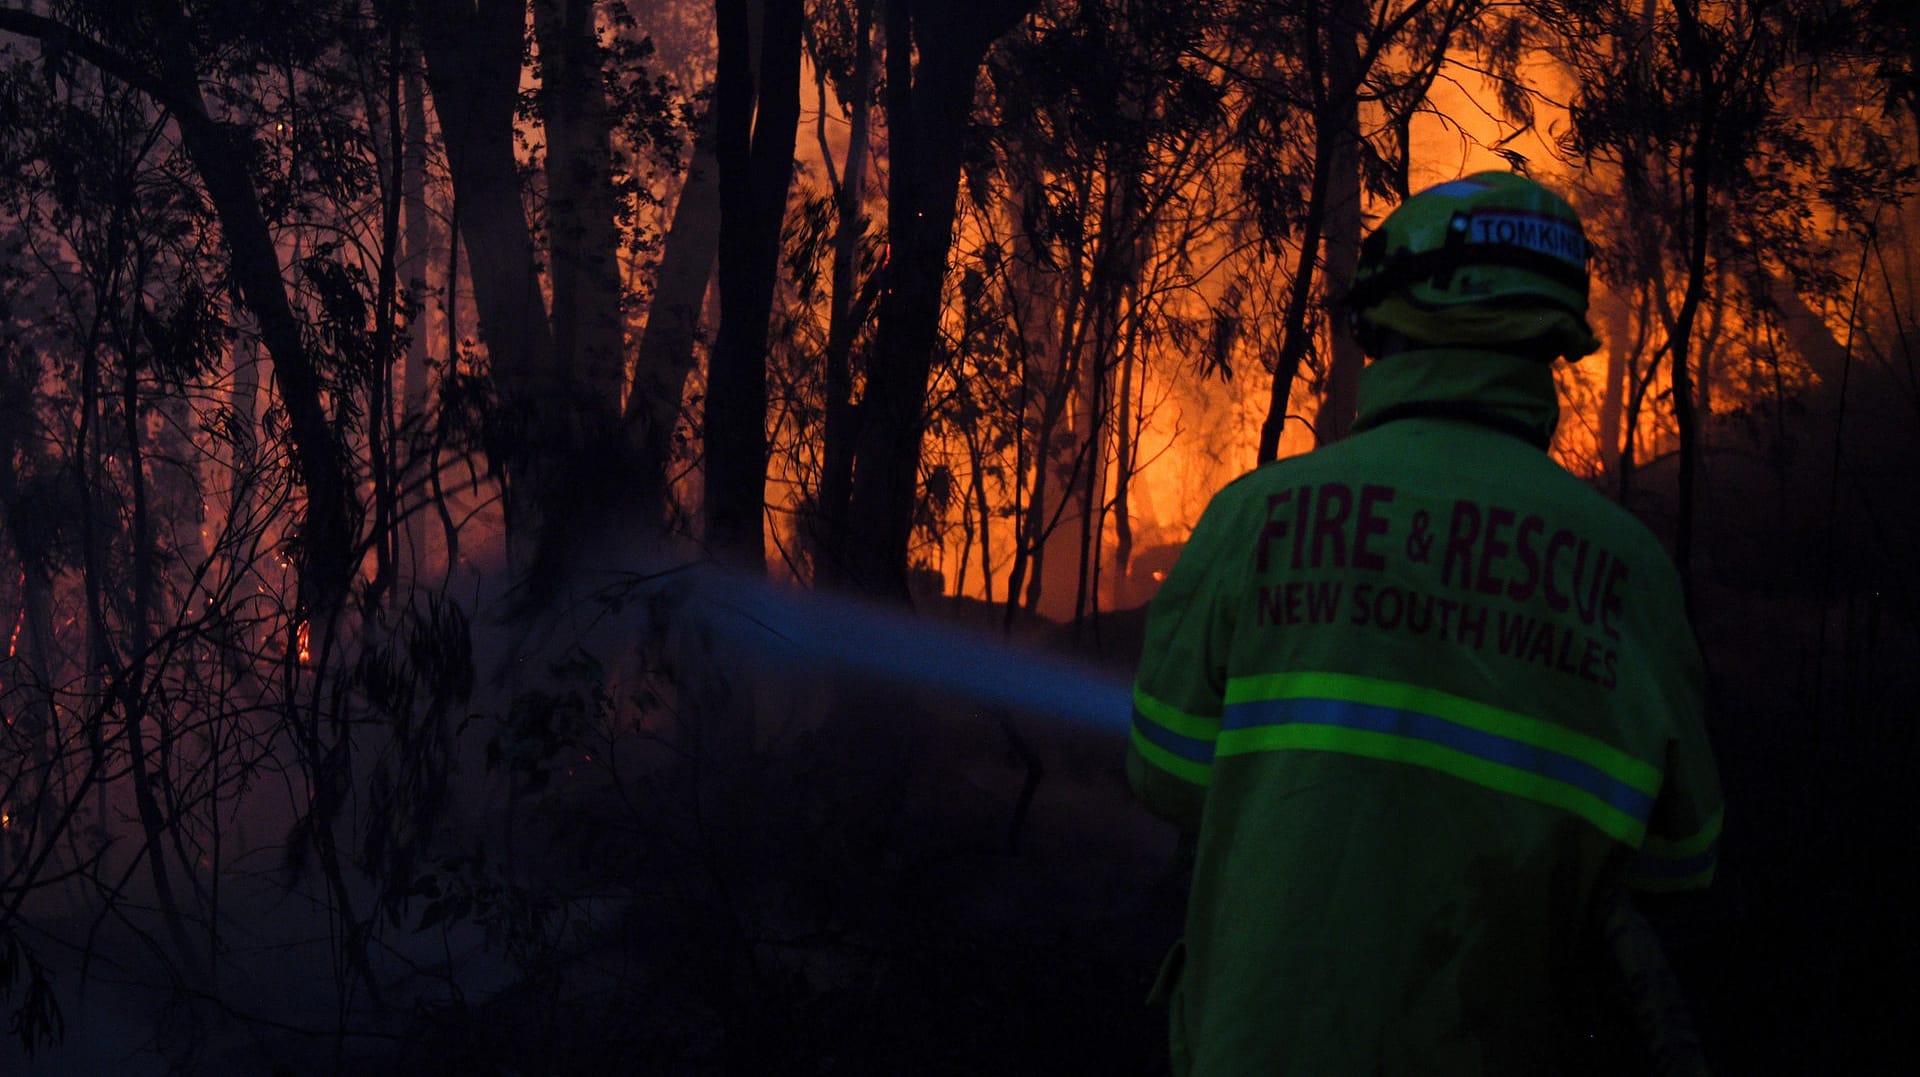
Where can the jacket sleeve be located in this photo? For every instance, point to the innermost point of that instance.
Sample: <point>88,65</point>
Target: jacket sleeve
<point>1682,844</point>
<point>1179,689</point>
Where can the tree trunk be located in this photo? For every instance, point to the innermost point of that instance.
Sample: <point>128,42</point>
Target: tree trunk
<point>1614,392</point>
<point>1125,453</point>
<point>416,240</point>
<point>1638,382</point>
<point>841,421</point>
<point>583,459</point>
<point>1346,21</point>
<point>1683,409</point>
<point>927,107</point>
<point>385,117</point>
<point>133,676</point>
<point>978,483</point>
<point>1038,314</point>
<point>756,121</point>
<point>1295,335</point>
<point>30,532</point>
<point>1699,165</point>
<point>582,206</point>
<point>1094,448</point>
<point>473,50</point>
<point>1052,464</point>
<point>220,155</point>
<point>665,358</point>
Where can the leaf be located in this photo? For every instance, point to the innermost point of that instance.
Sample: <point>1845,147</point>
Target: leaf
<point>435,912</point>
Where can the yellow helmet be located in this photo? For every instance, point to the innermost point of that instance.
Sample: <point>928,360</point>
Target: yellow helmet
<point>1493,261</point>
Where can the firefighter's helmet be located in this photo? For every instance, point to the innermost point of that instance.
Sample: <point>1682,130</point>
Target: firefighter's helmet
<point>1492,261</point>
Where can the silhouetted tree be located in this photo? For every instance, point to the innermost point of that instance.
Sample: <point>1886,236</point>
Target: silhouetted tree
<point>159,50</point>
<point>756,116</point>
<point>1312,68</point>
<point>1685,99</point>
<point>933,55</point>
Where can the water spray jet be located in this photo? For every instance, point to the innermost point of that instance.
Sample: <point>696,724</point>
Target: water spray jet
<point>796,629</point>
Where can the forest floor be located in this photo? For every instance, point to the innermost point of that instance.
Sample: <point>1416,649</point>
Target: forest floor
<point>898,883</point>
<point>1800,957</point>
<point>918,886</point>
<point>887,904</point>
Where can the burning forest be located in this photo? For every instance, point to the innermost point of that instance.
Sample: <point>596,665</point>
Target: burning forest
<point>574,536</point>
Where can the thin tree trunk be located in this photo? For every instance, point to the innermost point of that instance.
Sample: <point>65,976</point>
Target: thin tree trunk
<point>1038,411</point>
<point>134,675</point>
<point>756,123</point>
<point>983,513</point>
<point>1342,239</point>
<point>1614,392</point>
<point>1638,382</point>
<point>31,640</point>
<point>665,356</point>
<point>1699,181</point>
<point>1296,337</point>
<point>224,165</point>
<point>1113,270</point>
<point>1124,452</point>
<point>582,206</point>
<point>928,104</point>
<point>1056,406</point>
<point>416,240</point>
<point>1683,402</point>
<point>1092,504</point>
<point>386,321</point>
<point>841,421</point>
<point>473,50</point>
<point>223,162</point>
<point>1294,334</point>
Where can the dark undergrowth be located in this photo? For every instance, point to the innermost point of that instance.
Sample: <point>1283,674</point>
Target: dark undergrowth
<point>911,886</point>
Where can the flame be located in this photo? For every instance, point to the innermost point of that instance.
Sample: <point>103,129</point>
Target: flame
<point>6,819</point>
<point>303,642</point>
<point>13,641</point>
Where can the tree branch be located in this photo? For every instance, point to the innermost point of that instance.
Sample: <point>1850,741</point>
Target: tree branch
<point>58,37</point>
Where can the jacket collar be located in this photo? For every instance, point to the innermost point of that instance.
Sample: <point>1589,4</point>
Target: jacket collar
<point>1512,393</point>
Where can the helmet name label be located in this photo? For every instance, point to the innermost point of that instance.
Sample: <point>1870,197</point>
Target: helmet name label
<point>1551,236</point>
<point>1535,233</point>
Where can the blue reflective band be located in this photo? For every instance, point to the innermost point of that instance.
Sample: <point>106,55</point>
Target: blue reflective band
<point>1192,749</point>
<point>1412,725</point>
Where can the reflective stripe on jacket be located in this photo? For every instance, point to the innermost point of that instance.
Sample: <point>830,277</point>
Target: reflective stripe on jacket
<point>1424,695</point>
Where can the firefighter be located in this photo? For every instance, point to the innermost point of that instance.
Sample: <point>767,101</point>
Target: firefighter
<point>1426,699</point>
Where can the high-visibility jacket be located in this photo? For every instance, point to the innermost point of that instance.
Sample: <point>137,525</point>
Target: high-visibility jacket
<point>1426,697</point>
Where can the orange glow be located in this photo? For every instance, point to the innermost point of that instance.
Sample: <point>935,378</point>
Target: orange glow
<point>303,640</point>
<point>13,641</point>
<point>6,819</point>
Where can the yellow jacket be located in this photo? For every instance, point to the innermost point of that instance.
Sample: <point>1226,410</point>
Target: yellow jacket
<point>1425,697</point>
